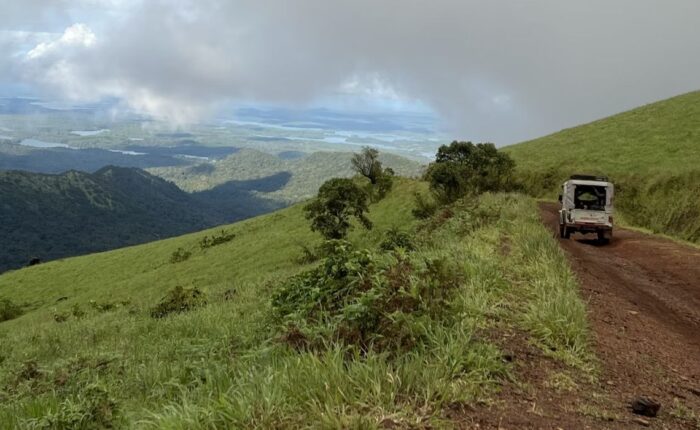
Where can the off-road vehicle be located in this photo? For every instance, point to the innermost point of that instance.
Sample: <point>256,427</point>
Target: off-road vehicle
<point>587,207</point>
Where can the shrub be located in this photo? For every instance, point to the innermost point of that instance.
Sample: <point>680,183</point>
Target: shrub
<point>9,310</point>
<point>395,238</point>
<point>179,299</point>
<point>61,317</point>
<point>180,255</point>
<point>222,237</point>
<point>308,254</point>
<point>362,300</point>
<point>384,184</point>
<point>77,311</point>
<point>425,208</point>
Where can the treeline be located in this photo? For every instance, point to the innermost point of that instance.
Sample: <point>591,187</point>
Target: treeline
<point>460,169</point>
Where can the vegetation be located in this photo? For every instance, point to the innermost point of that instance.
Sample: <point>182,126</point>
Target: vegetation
<point>305,174</point>
<point>55,216</point>
<point>367,164</point>
<point>282,352</point>
<point>464,168</point>
<point>338,200</point>
<point>179,300</point>
<point>651,153</point>
<point>9,310</point>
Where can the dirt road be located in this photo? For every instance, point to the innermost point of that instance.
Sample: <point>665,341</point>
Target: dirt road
<point>644,308</point>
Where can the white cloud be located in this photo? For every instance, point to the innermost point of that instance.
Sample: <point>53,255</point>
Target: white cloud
<point>495,70</point>
<point>75,36</point>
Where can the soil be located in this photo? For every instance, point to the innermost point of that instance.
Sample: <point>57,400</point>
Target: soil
<point>643,295</point>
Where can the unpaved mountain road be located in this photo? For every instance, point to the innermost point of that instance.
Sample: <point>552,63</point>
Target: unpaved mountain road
<point>643,295</point>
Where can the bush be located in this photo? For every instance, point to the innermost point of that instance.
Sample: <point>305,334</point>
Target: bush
<point>424,208</point>
<point>222,237</point>
<point>308,254</point>
<point>180,255</point>
<point>384,184</point>
<point>9,310</point>
<point>395,238</point>
<point>362,300</point>
<point>179,300</point>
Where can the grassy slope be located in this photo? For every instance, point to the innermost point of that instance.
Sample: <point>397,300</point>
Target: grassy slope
<point>652,153</point>
<point>222,366</point>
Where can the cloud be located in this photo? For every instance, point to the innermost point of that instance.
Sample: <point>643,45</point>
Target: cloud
<point>494,70</point>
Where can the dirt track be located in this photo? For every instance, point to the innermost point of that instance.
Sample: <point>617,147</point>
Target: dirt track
<point>644,308</point>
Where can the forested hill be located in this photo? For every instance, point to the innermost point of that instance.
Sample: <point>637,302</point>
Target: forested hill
<point>53,216</point>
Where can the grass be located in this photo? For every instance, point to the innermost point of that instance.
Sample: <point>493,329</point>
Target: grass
<point>224,364</point>
<point>652,154</point>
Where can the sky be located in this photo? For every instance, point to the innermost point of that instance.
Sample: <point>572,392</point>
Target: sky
<point>491,70</point>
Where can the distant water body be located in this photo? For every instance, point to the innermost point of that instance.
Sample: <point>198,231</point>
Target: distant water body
<point>85,133</point>
<point>35,143</point>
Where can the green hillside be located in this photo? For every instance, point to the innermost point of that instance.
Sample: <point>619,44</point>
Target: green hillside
<point>86,352</point>
<point>307,171</point>
<point>652,153</point>
<point>52,216</point>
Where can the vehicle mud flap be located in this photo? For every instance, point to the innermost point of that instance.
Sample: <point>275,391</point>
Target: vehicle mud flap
<point>564,232</point>
<point>604,236</point>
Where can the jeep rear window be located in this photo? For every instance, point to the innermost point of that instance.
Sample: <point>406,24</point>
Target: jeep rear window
<point>589,197</point>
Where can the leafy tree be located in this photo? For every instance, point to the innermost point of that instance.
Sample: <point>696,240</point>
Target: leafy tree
<point>338,200</point>
<point>463,167</point>
<point>367,164</point>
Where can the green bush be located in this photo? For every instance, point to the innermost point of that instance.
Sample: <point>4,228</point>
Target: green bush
<point>179,299</point>
<point>9,310</point>
<point>425,208</point>
<point>211,241</point>
<point>395,238</point>
<point>308,254</point>
<point>362,300</point>
<point>180,255</point>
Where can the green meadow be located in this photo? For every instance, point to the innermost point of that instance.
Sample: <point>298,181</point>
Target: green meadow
<point>87,352</point>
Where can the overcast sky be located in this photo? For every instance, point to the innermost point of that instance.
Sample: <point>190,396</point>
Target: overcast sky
<point>492,70</point>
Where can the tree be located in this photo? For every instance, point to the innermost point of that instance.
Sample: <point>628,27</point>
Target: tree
<point>338,200</point>
<point>367,164</point>
<point>463,167</point>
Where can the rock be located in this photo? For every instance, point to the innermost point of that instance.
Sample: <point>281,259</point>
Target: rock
<point>633,312</point>
<point>642,421</point>
<point>645,406</point>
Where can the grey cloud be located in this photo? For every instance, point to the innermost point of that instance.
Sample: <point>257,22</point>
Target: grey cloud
<point>494,70</point>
